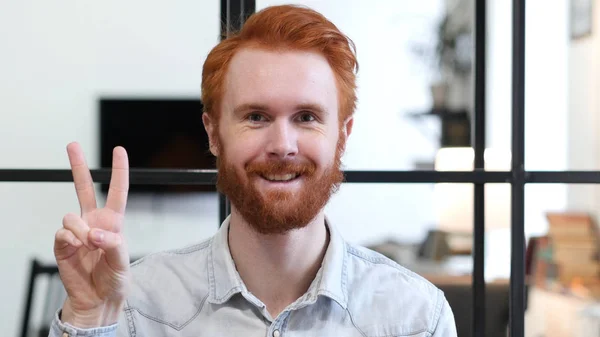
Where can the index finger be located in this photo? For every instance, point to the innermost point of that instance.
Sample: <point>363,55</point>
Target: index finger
<point>119,181</point>
<point>82,178</point>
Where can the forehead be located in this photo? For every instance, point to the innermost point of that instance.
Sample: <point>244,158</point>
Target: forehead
<point>279,78</point>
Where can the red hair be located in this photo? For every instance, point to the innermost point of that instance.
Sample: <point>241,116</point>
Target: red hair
<point>285,27</point>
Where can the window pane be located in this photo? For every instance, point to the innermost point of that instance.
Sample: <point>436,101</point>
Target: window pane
<point>56,67</point>
<point>368,214</point>
<point>561,114</point>
<point>561,72</point>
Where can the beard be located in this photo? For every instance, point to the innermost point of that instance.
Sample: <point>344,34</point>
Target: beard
<point>279,211</point>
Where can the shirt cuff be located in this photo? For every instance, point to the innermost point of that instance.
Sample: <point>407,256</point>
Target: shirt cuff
<point>61,329</point>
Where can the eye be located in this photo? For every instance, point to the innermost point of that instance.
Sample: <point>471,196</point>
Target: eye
<point>256,117</point>
<point>307,117</point>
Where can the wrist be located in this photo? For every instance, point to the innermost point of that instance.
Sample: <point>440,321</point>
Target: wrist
<point>104,315</point>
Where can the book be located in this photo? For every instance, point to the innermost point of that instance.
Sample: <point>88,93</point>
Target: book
<point>570,225</point>
<point>573,255</point>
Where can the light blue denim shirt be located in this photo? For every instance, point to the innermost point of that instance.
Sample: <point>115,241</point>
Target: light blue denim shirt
<point>196,291</point>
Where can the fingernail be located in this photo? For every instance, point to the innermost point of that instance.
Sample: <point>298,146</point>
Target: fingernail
<point>98,236</point>
<point>76,242</point>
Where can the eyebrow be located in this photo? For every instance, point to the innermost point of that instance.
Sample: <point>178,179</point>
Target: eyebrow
<point>318,108</point>
<point>249,107</point>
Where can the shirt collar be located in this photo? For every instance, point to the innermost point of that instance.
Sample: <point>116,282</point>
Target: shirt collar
<point>330,281</point>
<point>223,278</point>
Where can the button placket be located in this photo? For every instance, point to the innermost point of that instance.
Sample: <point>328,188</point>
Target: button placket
<point>279,323</point>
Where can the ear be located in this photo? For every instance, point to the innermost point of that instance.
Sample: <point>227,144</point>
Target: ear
<point>210,127</point>
<point>347,127</point>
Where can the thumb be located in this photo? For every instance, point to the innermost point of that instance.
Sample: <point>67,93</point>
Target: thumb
<point>113,246</point>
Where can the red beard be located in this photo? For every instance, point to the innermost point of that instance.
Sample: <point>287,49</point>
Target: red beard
<point>278,212</point>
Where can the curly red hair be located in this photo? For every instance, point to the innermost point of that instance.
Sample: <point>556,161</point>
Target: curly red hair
<point>285,27</point>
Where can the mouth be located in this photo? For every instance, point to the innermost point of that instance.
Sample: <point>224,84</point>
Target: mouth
<point>280,178</point>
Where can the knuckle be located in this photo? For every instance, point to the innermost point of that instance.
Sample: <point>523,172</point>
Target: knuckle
<point>69,218</point>
<point>61,236</point>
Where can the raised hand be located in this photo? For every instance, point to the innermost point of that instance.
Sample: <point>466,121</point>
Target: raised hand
<point>90,248</point>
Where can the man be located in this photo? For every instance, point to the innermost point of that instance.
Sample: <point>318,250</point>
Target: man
<point>279,99</point>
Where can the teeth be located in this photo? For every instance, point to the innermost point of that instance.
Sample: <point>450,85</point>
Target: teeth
<point>280,177</point>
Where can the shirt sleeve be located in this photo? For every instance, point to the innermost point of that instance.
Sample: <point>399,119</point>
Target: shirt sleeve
<point>61,329</point>
<point>446,326</point>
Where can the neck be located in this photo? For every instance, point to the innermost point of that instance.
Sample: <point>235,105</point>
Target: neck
<point>278,268</point>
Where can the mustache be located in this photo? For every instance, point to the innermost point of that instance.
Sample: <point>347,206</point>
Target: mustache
<point>281,167</point>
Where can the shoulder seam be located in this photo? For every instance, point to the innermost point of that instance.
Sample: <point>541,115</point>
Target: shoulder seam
<point>383,261</point>
<point>377,260</point>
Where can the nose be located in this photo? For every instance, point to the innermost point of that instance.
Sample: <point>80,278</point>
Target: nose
<point>283,140</point>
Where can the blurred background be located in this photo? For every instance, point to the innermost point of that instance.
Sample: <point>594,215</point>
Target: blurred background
<point>128,73</point>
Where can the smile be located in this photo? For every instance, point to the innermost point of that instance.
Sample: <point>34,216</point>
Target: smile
<point>280,177</point>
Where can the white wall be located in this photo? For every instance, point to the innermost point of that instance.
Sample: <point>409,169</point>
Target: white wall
<point>57,59</point>
<point>584,109</point>
<point>546,108</point>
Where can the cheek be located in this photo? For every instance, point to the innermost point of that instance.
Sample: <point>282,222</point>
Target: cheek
<point>321,150</point>
<point>242,151</point>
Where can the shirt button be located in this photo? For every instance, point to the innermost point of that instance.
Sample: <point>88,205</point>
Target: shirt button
<point>276,333</point>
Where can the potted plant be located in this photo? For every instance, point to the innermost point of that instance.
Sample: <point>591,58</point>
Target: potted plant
<point>449,57</point>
